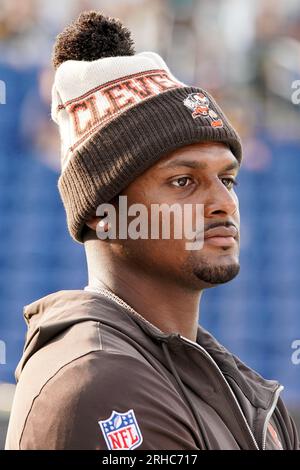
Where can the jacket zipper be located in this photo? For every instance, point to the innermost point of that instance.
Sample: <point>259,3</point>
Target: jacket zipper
<point>197,346</point>
<point>270,412</point>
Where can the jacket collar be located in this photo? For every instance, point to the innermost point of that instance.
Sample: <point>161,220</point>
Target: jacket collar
<point>50,315</point>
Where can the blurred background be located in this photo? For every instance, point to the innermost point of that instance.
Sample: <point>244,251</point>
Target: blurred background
<point>247,54</point>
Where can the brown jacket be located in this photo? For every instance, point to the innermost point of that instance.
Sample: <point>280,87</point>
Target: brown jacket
<point>94,376</point>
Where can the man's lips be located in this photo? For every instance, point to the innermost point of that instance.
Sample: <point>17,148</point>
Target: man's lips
<point>221,236</point>
<point>221,232</point>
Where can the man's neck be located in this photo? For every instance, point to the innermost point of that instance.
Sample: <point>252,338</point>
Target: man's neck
<point>165,304</point>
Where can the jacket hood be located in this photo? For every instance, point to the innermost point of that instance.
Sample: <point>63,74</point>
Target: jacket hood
<point>50,316</point>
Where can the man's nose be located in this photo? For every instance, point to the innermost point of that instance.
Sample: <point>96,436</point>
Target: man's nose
<point>220,201</point>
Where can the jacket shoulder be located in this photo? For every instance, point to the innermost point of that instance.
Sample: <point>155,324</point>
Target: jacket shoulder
<point>69,411</point>
<point>286,426</point>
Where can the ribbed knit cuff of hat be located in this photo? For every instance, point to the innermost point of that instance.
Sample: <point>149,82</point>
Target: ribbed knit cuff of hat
<point>113,157</point>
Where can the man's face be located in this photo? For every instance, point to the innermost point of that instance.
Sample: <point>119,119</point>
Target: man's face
<point>201,173</point>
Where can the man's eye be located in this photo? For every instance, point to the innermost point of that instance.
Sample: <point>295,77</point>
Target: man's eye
<point>229,182</point>
<point>181,182</point>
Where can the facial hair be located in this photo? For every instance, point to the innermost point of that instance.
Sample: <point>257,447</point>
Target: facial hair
<point>213,274</point>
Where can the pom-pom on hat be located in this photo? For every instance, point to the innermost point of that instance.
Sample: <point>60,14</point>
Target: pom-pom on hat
<point>119,112</point>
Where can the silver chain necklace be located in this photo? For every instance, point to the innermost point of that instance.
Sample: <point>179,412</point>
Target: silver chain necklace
<point>115,298</point>
<point>111,295</point>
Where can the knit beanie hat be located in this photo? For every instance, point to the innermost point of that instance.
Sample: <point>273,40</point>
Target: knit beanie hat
<point>119,112</point>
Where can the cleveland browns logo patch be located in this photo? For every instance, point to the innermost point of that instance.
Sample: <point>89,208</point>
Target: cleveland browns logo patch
<point>199,104</point>
<point>274,436</point>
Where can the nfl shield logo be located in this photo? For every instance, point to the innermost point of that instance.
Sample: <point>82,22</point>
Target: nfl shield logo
<point>121,431</point>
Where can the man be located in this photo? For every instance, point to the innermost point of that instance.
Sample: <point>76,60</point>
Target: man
<point>124,364</point>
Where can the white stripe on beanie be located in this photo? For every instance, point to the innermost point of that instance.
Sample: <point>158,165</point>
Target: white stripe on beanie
<point>86,95</point>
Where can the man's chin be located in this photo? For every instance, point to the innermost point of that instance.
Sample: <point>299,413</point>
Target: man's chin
<point>214,275</point>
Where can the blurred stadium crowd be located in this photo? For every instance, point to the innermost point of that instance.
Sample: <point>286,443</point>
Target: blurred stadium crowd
<point>247,54</point>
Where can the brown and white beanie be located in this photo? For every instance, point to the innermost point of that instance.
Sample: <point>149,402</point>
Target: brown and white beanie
<point>119,112</point>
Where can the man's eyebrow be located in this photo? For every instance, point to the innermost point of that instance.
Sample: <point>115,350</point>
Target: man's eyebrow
<point>196,164</point>
<point>183,162</point>
<point>232,166</point>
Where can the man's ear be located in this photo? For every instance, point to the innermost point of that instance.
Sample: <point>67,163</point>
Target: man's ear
<point>92,222</point>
